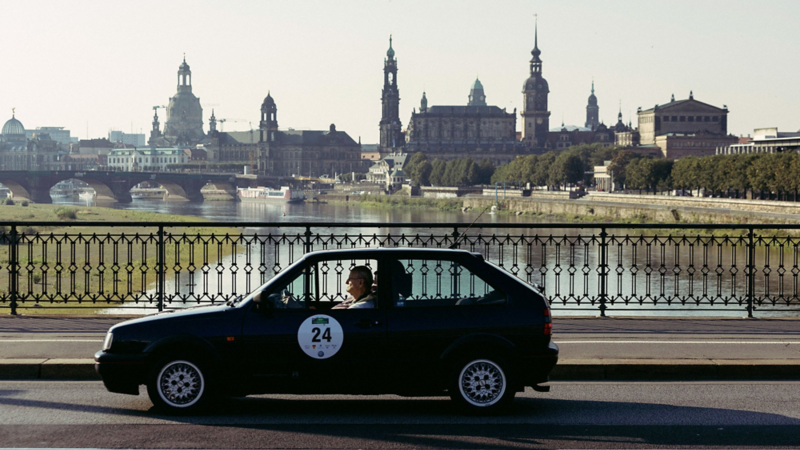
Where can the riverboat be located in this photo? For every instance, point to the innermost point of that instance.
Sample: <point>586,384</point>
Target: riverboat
<point>148,193</point>
<point>264,194</point>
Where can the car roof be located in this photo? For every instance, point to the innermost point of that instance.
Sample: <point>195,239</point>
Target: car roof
<point>430,252</point>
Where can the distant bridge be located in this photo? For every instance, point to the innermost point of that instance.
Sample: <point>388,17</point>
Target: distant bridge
<point>116,186</point>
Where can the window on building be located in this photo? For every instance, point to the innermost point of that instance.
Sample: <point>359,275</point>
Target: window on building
<point>674,118</point>
<point>706,119</point>
<point>715,118</point>
<point>683,118</point>
<point>691,118</point>
<point>699,118</point>
<point>666,118</point>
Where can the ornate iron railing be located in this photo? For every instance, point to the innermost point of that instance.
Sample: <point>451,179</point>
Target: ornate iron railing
<point>602,269</point>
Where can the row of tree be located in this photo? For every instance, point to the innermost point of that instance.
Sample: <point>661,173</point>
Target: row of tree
<point>457,172</point>
<point>556,169</point>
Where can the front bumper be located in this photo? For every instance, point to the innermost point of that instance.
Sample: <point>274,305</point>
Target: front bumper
<point>121,373</point>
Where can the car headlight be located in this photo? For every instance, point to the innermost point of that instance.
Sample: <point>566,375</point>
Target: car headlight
<point>108,341</point>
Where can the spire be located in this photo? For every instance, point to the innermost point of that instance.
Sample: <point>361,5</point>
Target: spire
<point>592,85</point>
<point>390,52</point>
<point>423,104</point>
<point>536,52</point>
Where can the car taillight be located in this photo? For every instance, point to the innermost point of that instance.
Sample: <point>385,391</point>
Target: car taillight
<point>548,323</point>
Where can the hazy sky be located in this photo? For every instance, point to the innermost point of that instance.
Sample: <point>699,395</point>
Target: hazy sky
<point>104,64</point>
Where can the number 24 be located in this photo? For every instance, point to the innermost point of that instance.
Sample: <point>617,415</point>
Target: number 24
<point>326,335</point>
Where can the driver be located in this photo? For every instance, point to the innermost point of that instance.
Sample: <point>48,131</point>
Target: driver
<point>359,286</point>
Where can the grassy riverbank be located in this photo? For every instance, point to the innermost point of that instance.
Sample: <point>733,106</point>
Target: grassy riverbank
<point>404,201</point>
<point>99,267</point>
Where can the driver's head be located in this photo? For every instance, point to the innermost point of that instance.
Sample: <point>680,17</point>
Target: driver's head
<point>359,281</point>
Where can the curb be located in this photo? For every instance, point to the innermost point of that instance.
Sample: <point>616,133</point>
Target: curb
<point>565,370</point>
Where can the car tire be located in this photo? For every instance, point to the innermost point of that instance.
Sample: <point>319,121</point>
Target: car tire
<point>481,385</point>
<point>179,385</point>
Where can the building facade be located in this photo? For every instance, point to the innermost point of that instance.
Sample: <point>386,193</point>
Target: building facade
<point>271,151</point>
<point>17,152</point>
<point>764,140</point>
<point>146,159</point>
<point>682,116</point>
<point>120,137</point>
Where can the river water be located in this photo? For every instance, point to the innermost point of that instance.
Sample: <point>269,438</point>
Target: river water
<point>648,275</point>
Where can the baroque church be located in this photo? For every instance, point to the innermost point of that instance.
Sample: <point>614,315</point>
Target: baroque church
<point>184,125</point>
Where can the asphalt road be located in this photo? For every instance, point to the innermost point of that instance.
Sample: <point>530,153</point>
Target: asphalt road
<point>573,415</point>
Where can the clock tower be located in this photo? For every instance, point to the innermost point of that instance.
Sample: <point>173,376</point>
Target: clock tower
<point>535,116</point>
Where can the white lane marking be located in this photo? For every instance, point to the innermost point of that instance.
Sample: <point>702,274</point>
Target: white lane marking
<point>675,342</point>
<point>49,340</point>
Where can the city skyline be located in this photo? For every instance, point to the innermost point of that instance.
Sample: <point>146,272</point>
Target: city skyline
<point>79,64</point>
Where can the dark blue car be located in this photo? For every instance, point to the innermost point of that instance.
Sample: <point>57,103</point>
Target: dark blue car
<point>433,322</point>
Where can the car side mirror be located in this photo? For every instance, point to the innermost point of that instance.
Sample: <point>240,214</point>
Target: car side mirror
<point>262,302</point>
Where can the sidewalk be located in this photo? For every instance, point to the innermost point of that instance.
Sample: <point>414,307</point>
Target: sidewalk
<point>592,349</point>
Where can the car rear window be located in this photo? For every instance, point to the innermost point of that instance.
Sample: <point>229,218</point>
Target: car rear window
<point>431,283</point>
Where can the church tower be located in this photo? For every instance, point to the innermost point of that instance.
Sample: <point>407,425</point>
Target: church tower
<point>391,129</point>
<point>423,104</point>
<point>592,111</point>
<point>535,116</point>
<point>268,127</point>
<point>476,95</point>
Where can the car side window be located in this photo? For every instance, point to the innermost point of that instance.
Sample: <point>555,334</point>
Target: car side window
<point>328,284</point>
<point>428,283</point>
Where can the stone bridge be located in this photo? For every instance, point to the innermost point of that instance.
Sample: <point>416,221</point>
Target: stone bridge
<point>116,186</point>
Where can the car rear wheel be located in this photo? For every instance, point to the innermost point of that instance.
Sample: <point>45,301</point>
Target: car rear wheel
<point>481,385</point>
<point>178,385</point>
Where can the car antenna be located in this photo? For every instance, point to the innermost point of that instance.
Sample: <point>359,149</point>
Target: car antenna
<point>455,244</point>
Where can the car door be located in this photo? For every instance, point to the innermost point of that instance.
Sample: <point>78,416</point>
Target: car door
<point>435,302</point>
<point>299,343</point>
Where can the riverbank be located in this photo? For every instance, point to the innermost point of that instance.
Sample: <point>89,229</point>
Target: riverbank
<point>68,264</point>
<point>549,207</point>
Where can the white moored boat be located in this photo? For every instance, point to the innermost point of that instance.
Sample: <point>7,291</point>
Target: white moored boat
<point>264,194</point>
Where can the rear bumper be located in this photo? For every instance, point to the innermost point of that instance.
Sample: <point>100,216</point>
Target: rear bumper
<point>121,373</point>
<point>535,369</point>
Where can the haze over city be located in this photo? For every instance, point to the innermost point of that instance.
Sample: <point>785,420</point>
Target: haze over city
<point>92,66</point>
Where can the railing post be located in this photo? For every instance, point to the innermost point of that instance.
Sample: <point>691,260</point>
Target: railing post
<point>308,240</point>
<point>14,263</point>
<point>160,269</point>
<point>751,271</point>
<point>603,272</point>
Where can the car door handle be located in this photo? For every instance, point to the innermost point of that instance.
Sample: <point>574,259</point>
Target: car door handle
<point>368,323</point>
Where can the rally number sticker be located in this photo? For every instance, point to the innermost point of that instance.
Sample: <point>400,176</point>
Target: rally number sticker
<point>320,336</point>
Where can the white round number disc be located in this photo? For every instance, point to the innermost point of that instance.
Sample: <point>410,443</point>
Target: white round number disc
<point>320,336</point>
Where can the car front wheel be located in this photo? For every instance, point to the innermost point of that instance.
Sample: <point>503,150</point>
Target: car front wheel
<point>481,385</point>
<point>178,385</point>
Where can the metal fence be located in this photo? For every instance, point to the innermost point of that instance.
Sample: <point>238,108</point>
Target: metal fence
<point>588,268</point>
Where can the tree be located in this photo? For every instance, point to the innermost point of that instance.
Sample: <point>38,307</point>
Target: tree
<point>619,165</point>
<point>414,166</point>
<point>437,171</point>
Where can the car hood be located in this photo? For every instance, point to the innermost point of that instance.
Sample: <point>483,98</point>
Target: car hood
<point>194,312</point>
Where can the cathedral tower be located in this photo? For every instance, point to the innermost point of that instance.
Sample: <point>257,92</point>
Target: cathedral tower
<point>391,129</point>
<point>535,116</point>
<point>592,112</point>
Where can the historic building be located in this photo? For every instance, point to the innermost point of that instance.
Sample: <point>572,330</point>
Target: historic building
<point>391,128</point>
<point>684,128</point>
<point>476,130</point>
<point>146,159</point>
<point>184,125</point>
<point>535,116</point>
<point>17,152</point>
<point>271,151</point>
<point>592,112</point>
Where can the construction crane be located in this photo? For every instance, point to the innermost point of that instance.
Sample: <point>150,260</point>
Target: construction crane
<point>222,122</point>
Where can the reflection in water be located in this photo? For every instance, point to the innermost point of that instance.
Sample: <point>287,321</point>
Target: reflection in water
<point>646,276</point>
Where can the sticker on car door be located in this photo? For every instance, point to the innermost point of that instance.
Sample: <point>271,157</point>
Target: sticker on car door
<point>320,336</point>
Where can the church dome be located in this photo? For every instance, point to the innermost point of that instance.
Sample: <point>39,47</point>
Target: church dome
<point>13,127</point>
<point>536,84</point>
<point>184,67</point>
<point>390,52</point>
